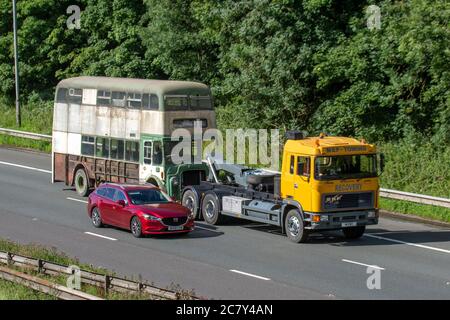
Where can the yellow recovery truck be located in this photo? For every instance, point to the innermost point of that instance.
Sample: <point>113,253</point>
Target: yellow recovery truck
<point>326,183</point>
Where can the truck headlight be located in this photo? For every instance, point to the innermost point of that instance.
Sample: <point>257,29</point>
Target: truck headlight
<point>371,214</point>
<point>324,218</point>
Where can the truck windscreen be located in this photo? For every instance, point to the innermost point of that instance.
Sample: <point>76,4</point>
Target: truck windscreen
<point>345,167</point>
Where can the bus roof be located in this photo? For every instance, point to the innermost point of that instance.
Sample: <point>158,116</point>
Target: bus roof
<point>138,85</point>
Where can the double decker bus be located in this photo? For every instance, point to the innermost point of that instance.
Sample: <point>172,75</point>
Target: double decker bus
<point>119,130</point>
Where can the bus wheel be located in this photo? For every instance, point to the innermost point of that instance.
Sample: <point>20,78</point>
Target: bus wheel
<point>210,209</point>
<point>81,183</point>
<point>295,228</point>
<point>190,201</point>
<point>354,232</point>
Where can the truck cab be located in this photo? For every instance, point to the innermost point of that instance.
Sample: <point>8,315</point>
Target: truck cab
<point>334,180</point>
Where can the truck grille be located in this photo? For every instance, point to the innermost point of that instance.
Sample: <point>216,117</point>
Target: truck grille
<point>347,200</point>
<point>174,221</point>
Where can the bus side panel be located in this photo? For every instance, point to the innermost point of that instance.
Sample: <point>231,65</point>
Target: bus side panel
<point>60,163</point>
<point>116,171</point>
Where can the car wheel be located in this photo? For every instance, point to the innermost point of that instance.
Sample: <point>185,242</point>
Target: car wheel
<point>136,227</point>
<point>210,209</point>
<point>354,232</point>
<point>81,183</point>
<point>96,218</point>
<point>295,227</point>
<point>190,201</point>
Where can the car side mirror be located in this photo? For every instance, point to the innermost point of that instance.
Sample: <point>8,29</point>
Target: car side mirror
<point>121,203</point>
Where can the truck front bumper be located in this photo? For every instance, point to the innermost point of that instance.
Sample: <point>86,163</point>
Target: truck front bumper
<point>339,220</point>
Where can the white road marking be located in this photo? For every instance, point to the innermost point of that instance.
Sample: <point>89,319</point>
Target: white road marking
<point>363,264</point>
<point>408,243</point>
<point>100,236</point>
<point>250,275</point>
<point>78,200</point>
<point>24,167</point>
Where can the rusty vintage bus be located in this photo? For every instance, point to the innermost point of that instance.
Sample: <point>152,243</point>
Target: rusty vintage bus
<point>119,130</point>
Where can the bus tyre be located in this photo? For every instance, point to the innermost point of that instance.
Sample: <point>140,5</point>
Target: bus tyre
<point>190,201</point>
<point>210,209</point>
<point>96,218</point>
<point>81,183</point>
<point>136,227</point>
<point>354,232</point>
<point>294,226</point>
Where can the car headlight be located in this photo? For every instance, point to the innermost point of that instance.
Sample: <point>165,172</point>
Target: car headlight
<point>150,217</point>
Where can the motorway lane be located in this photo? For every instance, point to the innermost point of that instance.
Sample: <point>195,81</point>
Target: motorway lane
<point>203,259</point>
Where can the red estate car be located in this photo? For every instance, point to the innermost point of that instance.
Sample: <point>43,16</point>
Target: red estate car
<point>141,209</point>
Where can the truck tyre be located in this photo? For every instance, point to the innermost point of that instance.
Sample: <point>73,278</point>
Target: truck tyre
<point>190,201</point>
<point>96,218</point>
<point>295,227</point>
<point>354,232</point>
<point>210,209</point>
<point>81,182</point>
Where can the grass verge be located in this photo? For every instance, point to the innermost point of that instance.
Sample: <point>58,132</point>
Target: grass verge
<point>13,291</point>
<point>417,209</point>
<point>9,289</point>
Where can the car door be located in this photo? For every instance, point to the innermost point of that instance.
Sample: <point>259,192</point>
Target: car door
<point>106,207</point>
<point>121,214</point>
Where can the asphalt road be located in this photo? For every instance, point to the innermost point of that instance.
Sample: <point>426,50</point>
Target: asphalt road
<point>235,261</point>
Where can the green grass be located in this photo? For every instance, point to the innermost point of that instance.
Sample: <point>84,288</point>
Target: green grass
<point>37,117</point>
<point>421,210</point>
<point>55,256</point>
<point>13,291</point>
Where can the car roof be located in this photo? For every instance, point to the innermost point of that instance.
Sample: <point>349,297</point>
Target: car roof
<point>128,187</point>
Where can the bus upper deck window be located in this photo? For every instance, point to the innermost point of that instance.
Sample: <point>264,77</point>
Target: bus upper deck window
<point>103,98</point>
<point>176,103</point>
<point>201,102</point>
<point>118,99</point>
<point>150,102</point>
<point>75,96</point>
<point>134,100</point>
<point>61,95</point>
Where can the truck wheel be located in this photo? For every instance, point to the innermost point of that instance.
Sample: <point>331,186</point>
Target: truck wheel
<point>190,201</point>
<point>354,232</point>
<point>210,209</point>
<point>81,183</point>
<point>294,226</point>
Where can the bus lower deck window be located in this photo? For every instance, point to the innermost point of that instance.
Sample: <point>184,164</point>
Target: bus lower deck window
<point>87,145</point>
<point>102,147</point>
<point>117,149</point>
<point>132,151</point>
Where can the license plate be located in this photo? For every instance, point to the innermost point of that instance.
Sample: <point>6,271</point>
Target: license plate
<point>349,224</point>
<point>175,228</point>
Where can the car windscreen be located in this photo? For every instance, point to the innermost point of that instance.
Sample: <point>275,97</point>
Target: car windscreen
<point>148,196</point>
